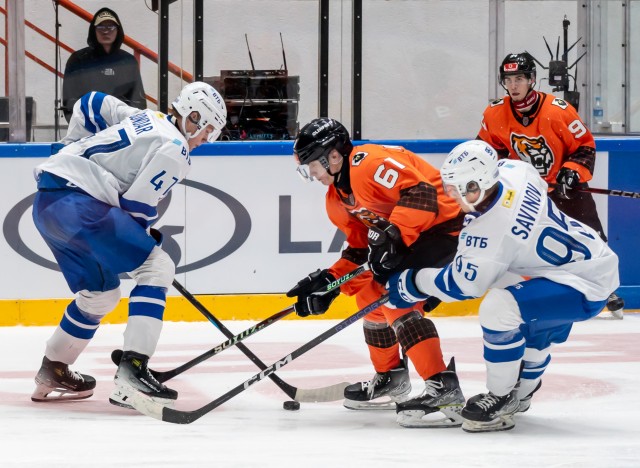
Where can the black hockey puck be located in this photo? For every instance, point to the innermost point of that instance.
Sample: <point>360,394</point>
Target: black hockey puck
<point>291,405</point>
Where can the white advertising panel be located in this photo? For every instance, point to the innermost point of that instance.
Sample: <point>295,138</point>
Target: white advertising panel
<point>237,225</point>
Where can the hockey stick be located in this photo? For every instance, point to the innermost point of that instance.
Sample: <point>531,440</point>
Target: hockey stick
<point>148,406</point>
<point>610,192</point>
<point>314,395</point>
<point>163,376</point>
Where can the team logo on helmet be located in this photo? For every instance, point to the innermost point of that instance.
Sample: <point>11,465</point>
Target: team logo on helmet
<point>535,151</point>
<point>511,67</point>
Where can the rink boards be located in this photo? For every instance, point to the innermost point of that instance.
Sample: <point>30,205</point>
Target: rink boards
<point>244,227</point>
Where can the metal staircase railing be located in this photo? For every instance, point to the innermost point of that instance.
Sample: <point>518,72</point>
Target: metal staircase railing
<point>138,48</point>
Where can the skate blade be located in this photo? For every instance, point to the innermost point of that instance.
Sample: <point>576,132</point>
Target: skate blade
<point>385,405</point>
<point>442,418</point>
<point>609,315</point>
<point>45,393</point>
<point>503,423</point>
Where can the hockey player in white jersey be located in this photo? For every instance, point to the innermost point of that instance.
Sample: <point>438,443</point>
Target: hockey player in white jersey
<point>97,198</point>
<point>512,226</point>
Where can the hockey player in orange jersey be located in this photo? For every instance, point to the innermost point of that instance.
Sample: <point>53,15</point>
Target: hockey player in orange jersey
<point>548,133</point>
<point>390,205</point>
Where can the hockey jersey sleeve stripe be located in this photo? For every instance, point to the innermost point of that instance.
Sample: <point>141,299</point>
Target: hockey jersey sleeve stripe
<point>109,147</point>
<point>91,105</point>
<point>446,283</point>
<point>143,213</point>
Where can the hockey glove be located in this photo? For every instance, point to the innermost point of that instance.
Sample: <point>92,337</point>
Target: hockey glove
<point>567,180</point>
<point>386,250</point>
<point>309,303</point>
<point>403,291</point>
<point>157,236</point>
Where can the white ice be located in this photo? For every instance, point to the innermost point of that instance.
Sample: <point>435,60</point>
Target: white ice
<point>586,414</point>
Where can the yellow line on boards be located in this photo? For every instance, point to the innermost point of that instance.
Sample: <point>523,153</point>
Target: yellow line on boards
<point>256,307</point>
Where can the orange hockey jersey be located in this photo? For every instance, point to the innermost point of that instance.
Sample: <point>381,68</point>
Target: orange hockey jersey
<point>393,183</point>
<point>548,139</point>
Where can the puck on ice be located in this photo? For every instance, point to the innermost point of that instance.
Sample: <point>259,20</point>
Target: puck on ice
<point>291,405</point>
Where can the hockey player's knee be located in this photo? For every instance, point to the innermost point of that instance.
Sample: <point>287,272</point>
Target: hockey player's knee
<point>499,311</point>
<point>379,334</point>
<point>157,270</point>
<point>97,304</point>
<point>412,329</point>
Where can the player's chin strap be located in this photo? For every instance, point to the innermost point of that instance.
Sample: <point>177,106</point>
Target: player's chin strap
<point>148,406</point>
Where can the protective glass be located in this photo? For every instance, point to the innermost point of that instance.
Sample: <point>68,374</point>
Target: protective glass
<point>106,27</point>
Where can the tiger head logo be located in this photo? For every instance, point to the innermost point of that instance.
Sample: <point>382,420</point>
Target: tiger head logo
<point>535,151</point>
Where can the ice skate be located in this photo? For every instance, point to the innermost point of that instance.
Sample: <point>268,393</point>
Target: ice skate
<point>381,392</point>
<point>55,381</point>
<point>614,309</point>
<point>133,377</point>
<point>439,405</point>
<point>525,403</point>
<point>487,412</point>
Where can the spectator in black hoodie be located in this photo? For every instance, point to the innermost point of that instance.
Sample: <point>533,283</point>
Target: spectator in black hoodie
<point>103,66</point>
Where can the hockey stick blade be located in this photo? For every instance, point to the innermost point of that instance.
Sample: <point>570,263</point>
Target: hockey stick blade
<point>309,395</point>
<point>333,392</point>
<point>147,406</point>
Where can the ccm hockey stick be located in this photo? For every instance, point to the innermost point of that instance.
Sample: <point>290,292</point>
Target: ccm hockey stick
<point>164,376</point>
<point>610,192</point>
<point>313,395</point>
<point>148,406</point>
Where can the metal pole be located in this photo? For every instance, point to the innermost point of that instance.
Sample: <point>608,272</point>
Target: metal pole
<point>198,45</point>
<point>323,75</point>
<point>163,56</point>
<point>626,125</point>
<point>496,46</point>
<point>356,130</point>
<point>15,51</point>
<point>58,99</point>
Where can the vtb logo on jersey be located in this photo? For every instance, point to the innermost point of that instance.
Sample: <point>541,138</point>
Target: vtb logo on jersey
<point>535,151</point>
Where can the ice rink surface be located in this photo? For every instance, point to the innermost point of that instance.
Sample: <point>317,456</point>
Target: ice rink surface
<point>587,413</point>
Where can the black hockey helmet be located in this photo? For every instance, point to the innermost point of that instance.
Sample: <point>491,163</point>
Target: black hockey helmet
<point>514,64</point>
<point>316,140</point>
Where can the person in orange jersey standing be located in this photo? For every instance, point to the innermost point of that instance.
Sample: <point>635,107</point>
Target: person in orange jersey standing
<point>546,132</point>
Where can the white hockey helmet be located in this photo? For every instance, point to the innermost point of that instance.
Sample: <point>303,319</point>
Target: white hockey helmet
<point>204,99</point>
<point>470,167</point>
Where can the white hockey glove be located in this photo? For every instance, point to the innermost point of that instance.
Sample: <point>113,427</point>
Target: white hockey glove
<point>403,291</point>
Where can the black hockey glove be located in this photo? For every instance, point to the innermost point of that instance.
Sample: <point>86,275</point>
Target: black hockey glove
<point>386,250</point>
<point>157,236</point>
<point>567,180</point>
<point>309,303</point>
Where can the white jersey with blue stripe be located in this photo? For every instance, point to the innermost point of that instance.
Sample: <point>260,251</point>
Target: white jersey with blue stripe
<point>523,232</point>
<point>121,155</point>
